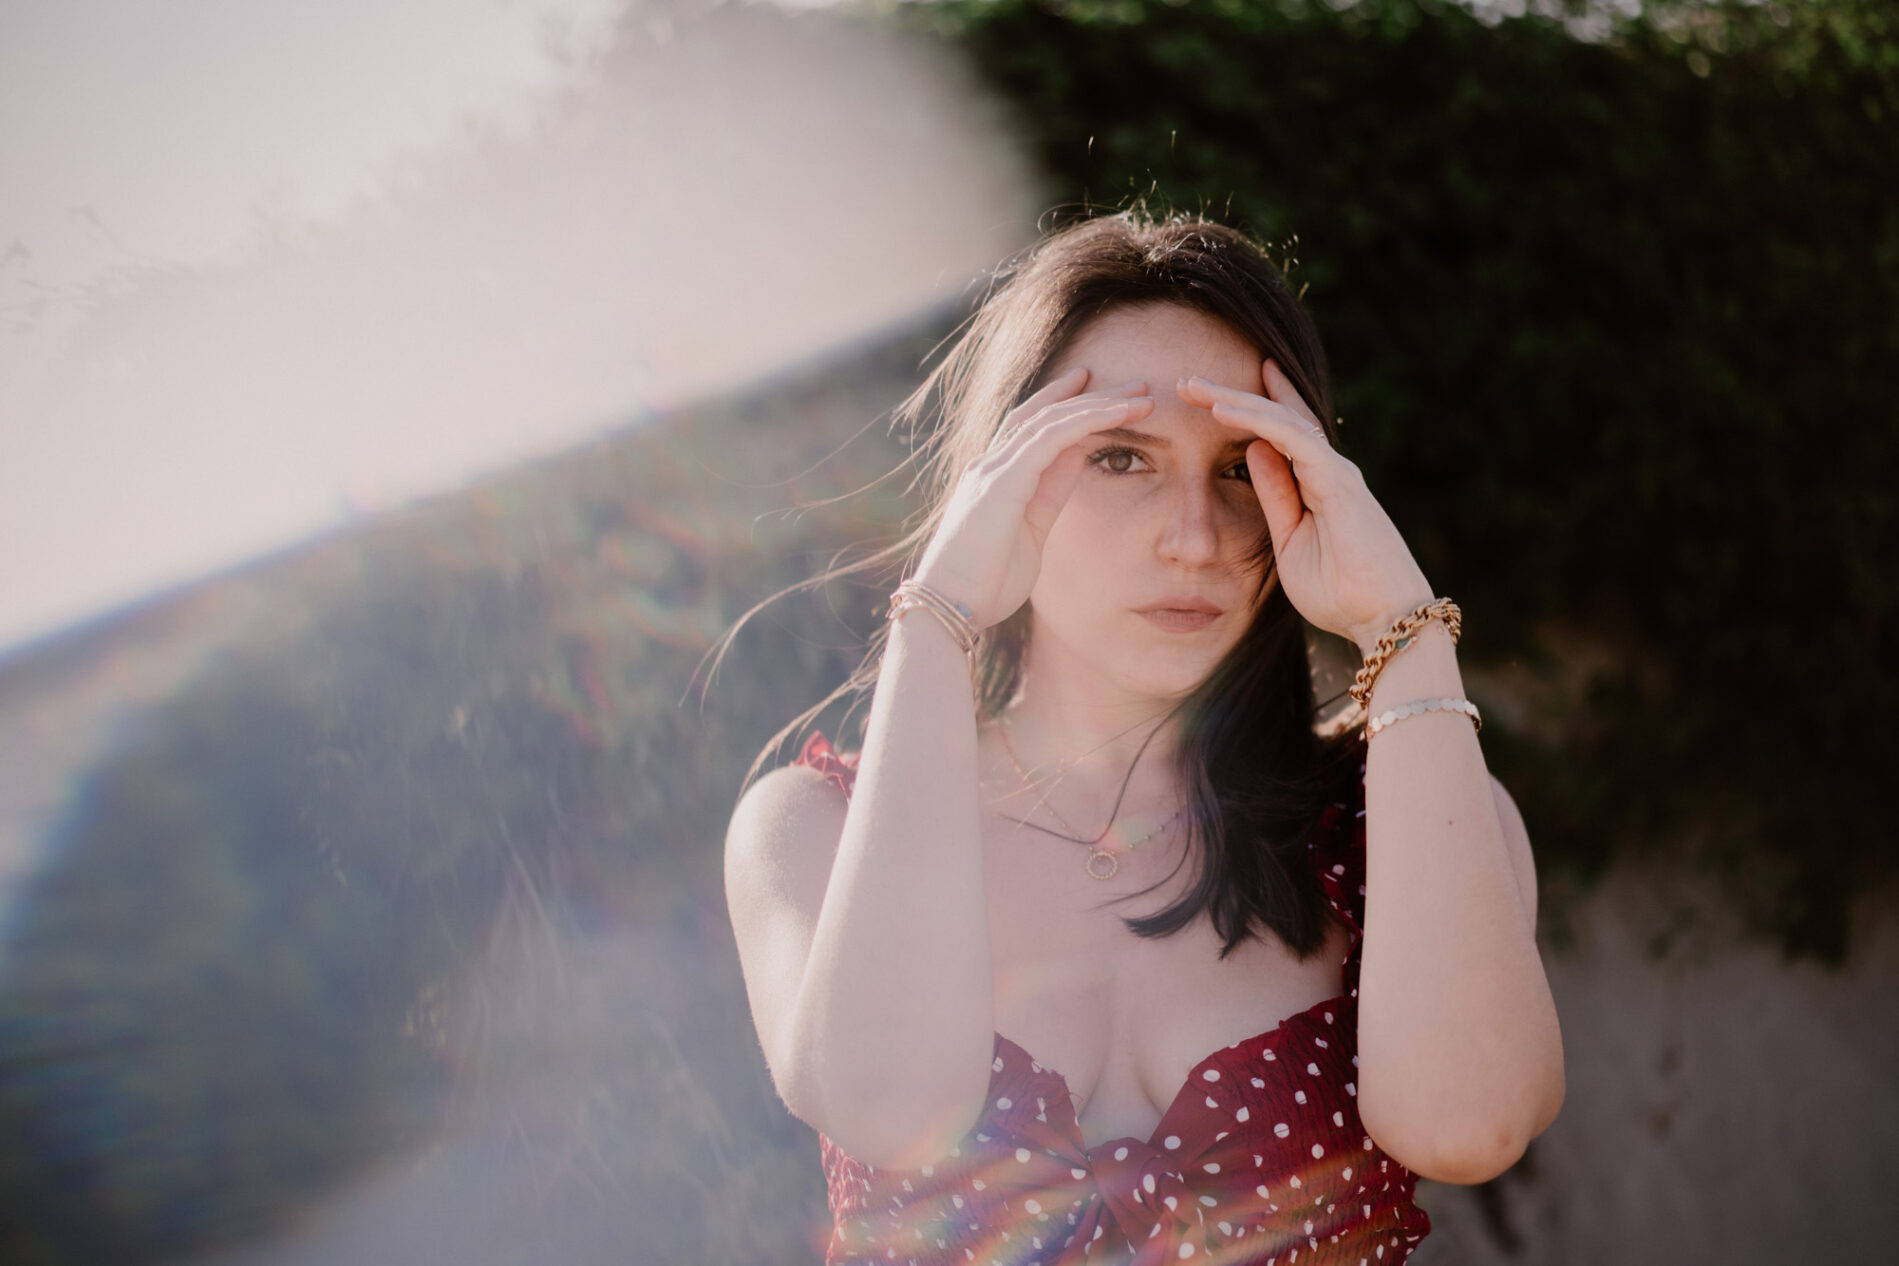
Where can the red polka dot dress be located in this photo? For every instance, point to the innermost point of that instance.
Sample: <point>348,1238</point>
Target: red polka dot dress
<point>1260,1159</point>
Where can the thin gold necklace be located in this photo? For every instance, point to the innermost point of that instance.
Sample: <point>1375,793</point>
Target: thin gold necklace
<point>1102,863</point>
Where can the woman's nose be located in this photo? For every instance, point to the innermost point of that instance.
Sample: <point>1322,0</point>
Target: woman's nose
<point>1191,535</point>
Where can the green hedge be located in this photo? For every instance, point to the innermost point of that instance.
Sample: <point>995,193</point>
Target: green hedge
<point>1614,329</point>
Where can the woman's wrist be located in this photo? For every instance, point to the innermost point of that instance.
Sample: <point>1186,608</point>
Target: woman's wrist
<point>913,619</point>
<point>1427,667</point>
<point>1365,636</point>
<point>919,629</point>
<point>955,617</point>
<point>952,590</point>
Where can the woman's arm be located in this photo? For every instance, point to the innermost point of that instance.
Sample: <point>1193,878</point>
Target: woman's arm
<point>1460,1055</point>
<point>1460,1058</point>
<point>866,954</point>
<point>871,988</point>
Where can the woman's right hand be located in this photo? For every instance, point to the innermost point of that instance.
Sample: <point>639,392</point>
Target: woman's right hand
<point>987,549</point>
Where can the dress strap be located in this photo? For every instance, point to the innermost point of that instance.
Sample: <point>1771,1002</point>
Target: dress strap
<point>821,756</point>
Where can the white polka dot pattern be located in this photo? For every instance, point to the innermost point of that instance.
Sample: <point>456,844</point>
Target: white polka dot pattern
<point>1257,1160</point>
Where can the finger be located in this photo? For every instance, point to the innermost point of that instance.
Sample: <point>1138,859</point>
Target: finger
<point>1054,457</point>
<point>1303,441</point>
<point>1068,422</point>
<point>1277,490</point>
<point>1246,404</point>
<point>1010,442</point>
<point>1279,390</point>
<point>1058,388</point>
<point>1067,386</point>
<point>1276,424</point>
<point>1053,487</point>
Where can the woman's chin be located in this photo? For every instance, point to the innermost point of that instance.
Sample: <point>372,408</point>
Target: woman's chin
<point>1169,677</point>
<point>1147,661</point>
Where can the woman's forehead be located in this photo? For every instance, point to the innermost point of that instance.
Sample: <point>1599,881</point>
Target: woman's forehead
<point>1161,343</point>
<point>1176,424</point>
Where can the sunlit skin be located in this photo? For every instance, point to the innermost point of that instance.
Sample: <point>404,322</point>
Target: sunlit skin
<point>1170,498</point>
<point>1137,520</point>
<point>883,1039</point>
<point>1151,500</point>
<point>1159,505</point>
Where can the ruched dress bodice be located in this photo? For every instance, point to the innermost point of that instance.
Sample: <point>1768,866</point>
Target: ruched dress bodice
<point>1260,1158</point>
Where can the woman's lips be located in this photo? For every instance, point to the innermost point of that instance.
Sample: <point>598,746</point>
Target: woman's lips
<point>1177,621</point>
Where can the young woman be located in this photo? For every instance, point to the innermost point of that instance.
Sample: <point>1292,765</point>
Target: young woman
<point>1098,949</point>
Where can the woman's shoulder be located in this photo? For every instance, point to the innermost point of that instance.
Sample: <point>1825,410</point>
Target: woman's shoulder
<point>789,819</point>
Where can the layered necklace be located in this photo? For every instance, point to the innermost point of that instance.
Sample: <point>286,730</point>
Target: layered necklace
<point>1102,863</point>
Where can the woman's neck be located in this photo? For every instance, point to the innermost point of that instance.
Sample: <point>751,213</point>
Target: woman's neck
<point>1064,728</point>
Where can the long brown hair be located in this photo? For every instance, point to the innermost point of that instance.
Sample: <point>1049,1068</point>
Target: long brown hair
<point>1256,771</point>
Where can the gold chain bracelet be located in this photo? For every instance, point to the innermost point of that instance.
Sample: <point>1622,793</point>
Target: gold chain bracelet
<point>1399,636</point>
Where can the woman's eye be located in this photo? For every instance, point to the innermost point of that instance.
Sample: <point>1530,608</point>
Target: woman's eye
<point>1119,461</point>
<point>1115,460</point>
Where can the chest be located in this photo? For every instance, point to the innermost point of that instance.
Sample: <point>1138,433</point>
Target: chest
<point>1123,1018</point>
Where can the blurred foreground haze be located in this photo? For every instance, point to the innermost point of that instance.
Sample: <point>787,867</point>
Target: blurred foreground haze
<point>267,271</point>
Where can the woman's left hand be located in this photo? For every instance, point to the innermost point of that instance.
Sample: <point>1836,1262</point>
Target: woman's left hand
<point>1339,556</point>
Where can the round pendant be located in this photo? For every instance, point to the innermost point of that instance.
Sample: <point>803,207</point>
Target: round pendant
<point>1096,861</point>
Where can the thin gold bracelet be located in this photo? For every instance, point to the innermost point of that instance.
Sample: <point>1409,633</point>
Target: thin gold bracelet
<point>956,618</point>
<point>941,619</point>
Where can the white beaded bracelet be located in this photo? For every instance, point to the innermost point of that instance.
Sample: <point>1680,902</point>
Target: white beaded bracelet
<point>1386,719</point>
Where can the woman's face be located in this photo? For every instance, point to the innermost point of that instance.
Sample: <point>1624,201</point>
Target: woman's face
<point>1164,513</point>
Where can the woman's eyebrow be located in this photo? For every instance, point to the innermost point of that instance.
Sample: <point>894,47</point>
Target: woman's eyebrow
<point>1128,435</point>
